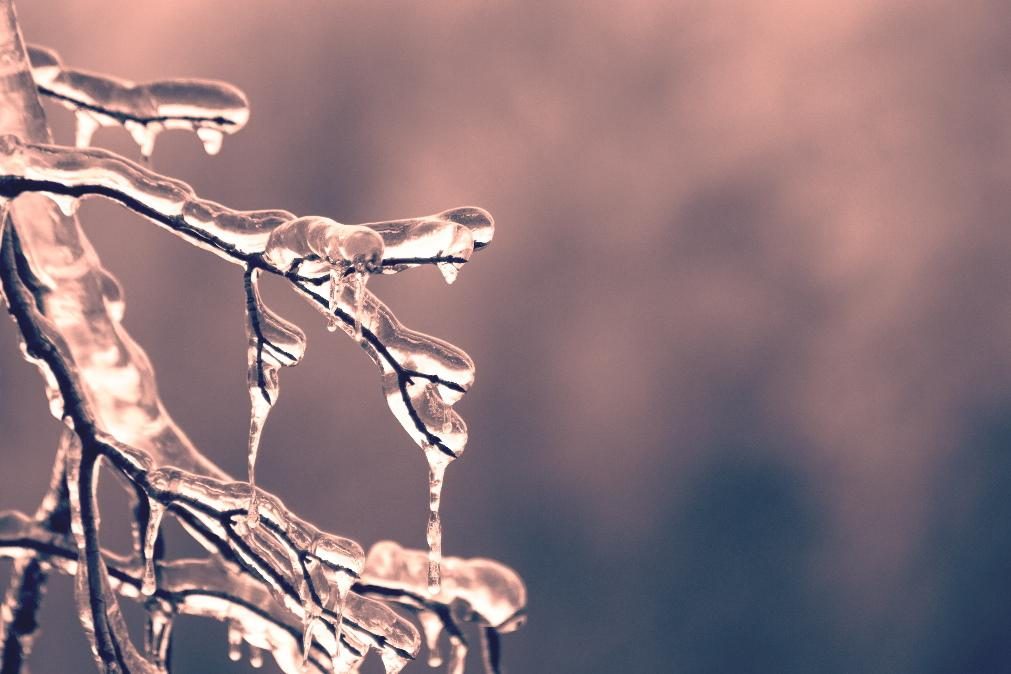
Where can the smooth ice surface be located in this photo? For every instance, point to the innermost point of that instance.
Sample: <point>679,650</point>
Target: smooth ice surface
<point>493,592</point>
<point>209,108</point>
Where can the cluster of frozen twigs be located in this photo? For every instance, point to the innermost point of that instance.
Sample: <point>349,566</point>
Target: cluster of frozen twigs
<point>314,600</point>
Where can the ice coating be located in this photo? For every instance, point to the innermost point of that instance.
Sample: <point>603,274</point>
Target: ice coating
<point>429,375</point>
<point>272,343</point>
<point>491,591</point>
<point>209,108</point>
<point>317,246</point>
<point>449,238</point>
<point>197,585</point>
<point>45,62</point>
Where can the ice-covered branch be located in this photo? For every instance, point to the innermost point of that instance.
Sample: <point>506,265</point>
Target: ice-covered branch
<point>204,587</point>
<point>279,583</point>
<point>309,571</point>
<point>209,108</point>
<point>481,591</point>
<point>422,376</point>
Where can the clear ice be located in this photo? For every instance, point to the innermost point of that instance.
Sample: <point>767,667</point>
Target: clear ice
<point>493,592</point>
<point>329,263</point>
<point>210,109</point>
<point>431,627</point>
<point>155,512</point>
<point>271,343</point>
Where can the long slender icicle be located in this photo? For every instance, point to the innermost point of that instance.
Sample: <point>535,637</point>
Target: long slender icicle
<point>431,627</point>
<point>155,512</point>
<point>336,288</point>
<point>437,462</point>
<point>272,343</point>
<point>259,409</point>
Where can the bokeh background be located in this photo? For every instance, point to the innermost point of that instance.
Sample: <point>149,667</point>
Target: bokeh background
<point>743,338</point>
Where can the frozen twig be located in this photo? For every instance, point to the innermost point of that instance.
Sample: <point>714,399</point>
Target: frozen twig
<point>280,583</point>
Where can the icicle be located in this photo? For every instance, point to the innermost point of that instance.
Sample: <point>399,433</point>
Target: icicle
<point>437,462</point>
<point>393,661</point>
<point>259,409</point>
<point>346,660</point>
<point>144,135</point>
<point>272,343</point>
<point>255,657</point>
<point>358,287</point>
<point>457,655</point>
<point>155,512</point>
<point>66,203</point>
<point>157,633</point>
<point>211,138</point>
<point>336,287</point>
<point>311,615</point>
<point>337,592</point>
<point>234,642</point>
<point>449,271</point>
<point>87,124</point>
<point>431,625</point>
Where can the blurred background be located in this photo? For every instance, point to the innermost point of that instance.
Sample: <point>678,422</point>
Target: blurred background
<point>744,380</point>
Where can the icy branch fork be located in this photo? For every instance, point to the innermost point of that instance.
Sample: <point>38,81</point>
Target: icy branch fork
<point>280,583</point>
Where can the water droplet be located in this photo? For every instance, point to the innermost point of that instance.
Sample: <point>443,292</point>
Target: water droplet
<point>431,625</point>
<point>149,583</point>
<point>211,138</point>
<point>255,657</point>
<point>234,642</point>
